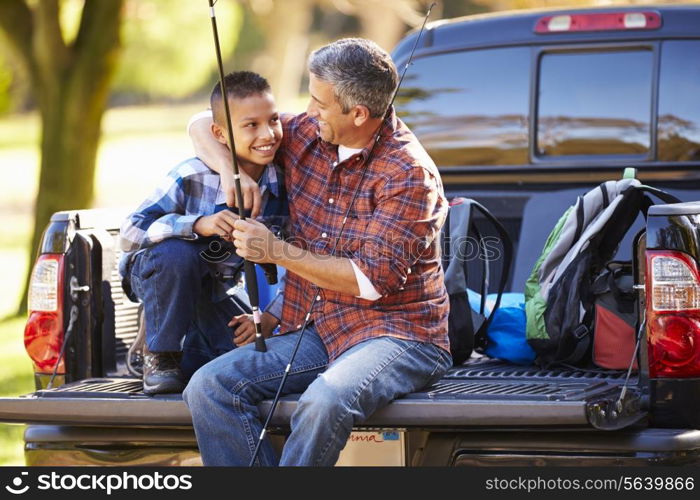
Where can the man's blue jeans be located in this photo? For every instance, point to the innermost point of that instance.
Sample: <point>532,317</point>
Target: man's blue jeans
<point>176,287</point>
<point>223,395</point>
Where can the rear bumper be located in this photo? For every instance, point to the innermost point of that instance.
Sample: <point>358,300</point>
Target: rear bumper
<point>630,447</point>
<point>52,445</point>
<point>49,445</point>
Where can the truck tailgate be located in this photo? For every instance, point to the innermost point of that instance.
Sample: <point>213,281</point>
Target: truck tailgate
<point>486,394</point>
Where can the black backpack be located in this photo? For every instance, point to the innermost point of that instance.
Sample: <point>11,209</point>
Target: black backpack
<point>462,242</point>
<point>560,294</point>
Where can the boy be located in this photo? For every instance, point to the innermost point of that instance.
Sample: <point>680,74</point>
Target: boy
<point>172,258</point>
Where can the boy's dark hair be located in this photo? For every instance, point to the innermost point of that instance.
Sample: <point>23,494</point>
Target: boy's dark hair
<point>239,85</point>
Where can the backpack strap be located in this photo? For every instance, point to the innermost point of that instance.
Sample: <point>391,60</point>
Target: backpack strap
<point>446,251</point>
<point>455,233</point>
<point>660,194</point>
<point>507,244</point>
<point>629,173</point>
<point>583,336</point>
<point>457,228</point>
<point>647,202</point>
<point>484,289</point>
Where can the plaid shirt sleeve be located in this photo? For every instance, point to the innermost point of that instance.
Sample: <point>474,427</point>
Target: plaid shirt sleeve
<point>406,220</point>
<point>159,217</point>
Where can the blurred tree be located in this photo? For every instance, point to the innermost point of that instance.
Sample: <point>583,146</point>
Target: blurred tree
<point>15,93</point>
<point>385,21</point>
<point>5,86</point>
<point>168,47</point>
<point>291,29</point>
<point>456,8</point>
<point>70,79</point>
<point>281,54</point>
<point>286,26</point>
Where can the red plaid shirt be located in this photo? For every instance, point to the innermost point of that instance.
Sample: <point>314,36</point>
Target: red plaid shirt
<point>391,234</point>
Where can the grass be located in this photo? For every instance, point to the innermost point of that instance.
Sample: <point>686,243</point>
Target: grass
<point>16,377</point>
<point>140,144</point>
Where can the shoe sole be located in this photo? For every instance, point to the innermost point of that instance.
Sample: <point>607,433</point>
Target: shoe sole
<point>171,388</point>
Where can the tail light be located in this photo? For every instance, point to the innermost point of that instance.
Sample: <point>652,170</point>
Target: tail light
<point>673,315</point>
<point>608,21</point>
<point>43,334</point>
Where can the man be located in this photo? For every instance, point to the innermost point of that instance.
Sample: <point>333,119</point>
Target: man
<point>378,328</point>
<point>165,243</point>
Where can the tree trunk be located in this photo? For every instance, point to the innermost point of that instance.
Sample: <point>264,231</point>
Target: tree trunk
<point>287,26</point>
<point>69,141</point>
<point>71,84</point>
<point>383,22</point>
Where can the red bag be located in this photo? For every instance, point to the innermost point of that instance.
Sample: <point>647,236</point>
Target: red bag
<point>614,334</point>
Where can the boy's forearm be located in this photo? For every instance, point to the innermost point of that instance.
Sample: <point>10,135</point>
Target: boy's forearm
<point>139,231</point>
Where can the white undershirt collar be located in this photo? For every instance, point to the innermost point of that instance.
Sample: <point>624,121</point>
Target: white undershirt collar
<point>345,152</point>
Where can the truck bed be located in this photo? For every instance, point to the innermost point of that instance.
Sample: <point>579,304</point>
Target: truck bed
<point>469,417</point>
<point>482,392</point>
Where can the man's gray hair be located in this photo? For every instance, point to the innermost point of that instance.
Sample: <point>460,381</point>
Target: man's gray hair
<point>361,72</point>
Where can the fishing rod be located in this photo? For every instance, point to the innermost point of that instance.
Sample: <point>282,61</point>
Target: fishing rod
<point>248,266</point>
<point>288,368</point>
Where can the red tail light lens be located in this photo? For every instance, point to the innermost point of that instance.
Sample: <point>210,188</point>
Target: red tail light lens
<point>608,21</point>
<point>43,334</point>
<point>673,315</point>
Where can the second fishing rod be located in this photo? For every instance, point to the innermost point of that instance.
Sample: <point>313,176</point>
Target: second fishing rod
<point>316,288</point>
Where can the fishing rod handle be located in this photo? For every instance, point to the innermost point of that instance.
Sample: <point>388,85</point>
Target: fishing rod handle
<point>254,295</point>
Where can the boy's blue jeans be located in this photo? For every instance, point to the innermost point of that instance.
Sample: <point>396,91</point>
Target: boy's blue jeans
<point>223,395</point>
<point>176,288</point>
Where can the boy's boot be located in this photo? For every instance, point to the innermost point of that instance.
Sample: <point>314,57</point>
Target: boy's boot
<point>161,372</point>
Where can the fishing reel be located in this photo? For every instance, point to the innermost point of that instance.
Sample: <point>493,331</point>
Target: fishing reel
<point>219,250</point>
<point>270,271</point>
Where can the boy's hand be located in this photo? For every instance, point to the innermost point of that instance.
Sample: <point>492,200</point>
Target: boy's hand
<point>218,224</point>
<point>244,328</point>
<point>249,188</point>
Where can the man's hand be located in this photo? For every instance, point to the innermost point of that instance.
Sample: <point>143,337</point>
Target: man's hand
<point>244,328</point>
<point>254,241</point>
<point>250,189</point>
<point>218,224</point>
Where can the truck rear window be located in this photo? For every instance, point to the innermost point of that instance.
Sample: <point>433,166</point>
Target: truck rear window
<point>679,101</point>
<point>470,107</point>
<point>594,103</point>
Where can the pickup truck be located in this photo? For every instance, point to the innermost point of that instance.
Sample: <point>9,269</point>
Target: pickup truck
<point>522,112</point>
